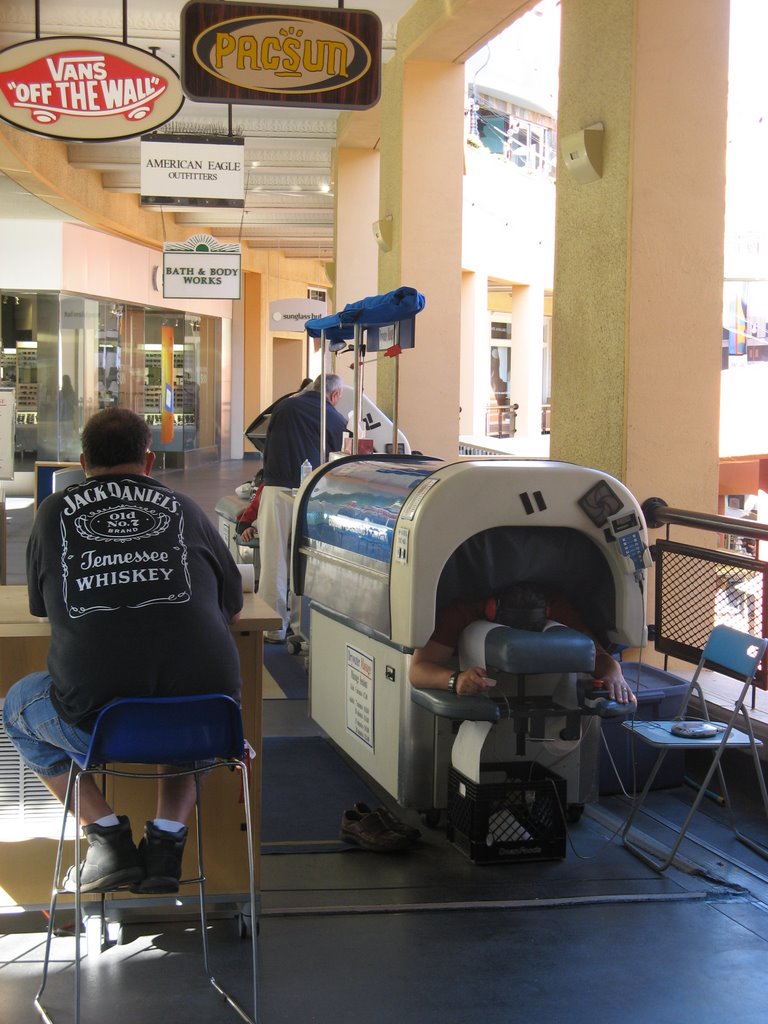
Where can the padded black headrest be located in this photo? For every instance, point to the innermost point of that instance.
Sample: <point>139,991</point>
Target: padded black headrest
<point>560,560</point>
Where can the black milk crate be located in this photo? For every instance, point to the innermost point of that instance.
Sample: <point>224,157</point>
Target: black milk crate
<point>515,813</point>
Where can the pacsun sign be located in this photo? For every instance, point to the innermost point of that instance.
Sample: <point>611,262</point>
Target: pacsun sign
<point>280,55</point>
<point>83,88</point>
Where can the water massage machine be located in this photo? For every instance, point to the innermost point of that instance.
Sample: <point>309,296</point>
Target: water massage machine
<point>380,543</point>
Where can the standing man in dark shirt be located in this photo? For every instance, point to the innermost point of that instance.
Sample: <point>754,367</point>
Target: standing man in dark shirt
<point>293,435</point>
<point>140,591</point>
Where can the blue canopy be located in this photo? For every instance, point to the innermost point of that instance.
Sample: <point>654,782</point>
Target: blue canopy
<point>375,311</point>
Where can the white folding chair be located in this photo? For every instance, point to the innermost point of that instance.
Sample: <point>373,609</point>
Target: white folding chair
<point>734,654</point>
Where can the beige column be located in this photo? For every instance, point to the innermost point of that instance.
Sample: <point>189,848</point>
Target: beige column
<point>527,319</point>
<point>254,356</point>
<point>357,207</point>
<point>421,189</point>
<point>356,180</point>
<point>639,253</point>
<point>475,358</point>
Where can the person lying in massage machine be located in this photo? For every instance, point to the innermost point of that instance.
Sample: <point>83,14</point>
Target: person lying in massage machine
<point>521,607</point>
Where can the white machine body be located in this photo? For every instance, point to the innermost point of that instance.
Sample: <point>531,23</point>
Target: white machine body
<point>377,425</point>
<point>380,543</point>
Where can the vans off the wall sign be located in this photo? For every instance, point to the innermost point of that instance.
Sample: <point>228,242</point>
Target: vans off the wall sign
<point>80,88</point>
<point>280,56</point>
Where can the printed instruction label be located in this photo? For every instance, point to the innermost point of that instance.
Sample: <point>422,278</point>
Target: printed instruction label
<point>359,675</point>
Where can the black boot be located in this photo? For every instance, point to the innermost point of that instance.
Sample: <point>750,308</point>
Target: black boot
<point>161,854</point>
<point>111,862</point>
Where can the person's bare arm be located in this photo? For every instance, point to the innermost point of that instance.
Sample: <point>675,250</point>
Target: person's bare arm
<point>431,670</point>
<point>609,670</point>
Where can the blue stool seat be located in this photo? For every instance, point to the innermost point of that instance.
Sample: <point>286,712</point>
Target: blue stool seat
<point>189,736</point>
<point>166,730</point>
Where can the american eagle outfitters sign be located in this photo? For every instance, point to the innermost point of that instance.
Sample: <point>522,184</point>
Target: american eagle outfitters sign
<point>276,55</point>
<point>192,170</point>
<point>83,88</point>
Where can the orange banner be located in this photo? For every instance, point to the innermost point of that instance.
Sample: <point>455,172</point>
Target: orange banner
<point>166,381</point>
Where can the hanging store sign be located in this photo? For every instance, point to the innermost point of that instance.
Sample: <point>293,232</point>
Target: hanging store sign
<point>80,89</point>
<point>192,170</point>
<point>281,55</point>
<point>201,268</point>
<point>290,315</point>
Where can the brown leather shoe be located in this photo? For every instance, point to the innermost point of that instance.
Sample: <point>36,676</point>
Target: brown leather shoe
<point>371,832</point>
<point>409,831</point>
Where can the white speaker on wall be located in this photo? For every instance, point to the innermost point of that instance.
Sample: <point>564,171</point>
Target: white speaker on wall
<point>582,153</point>
<point>382,232</point>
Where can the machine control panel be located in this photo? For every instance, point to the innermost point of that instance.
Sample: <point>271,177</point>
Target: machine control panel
<point>625,527</point>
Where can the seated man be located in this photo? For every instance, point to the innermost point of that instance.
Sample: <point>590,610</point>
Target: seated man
<point>140,591</point>
<point>523,607</point>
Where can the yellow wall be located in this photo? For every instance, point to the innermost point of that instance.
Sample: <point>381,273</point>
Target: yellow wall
<point>677,241</point>
<point>592,239</point>
<point>639,254</point>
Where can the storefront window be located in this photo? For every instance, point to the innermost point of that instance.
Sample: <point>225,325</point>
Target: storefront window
<point>109,354</point>
<point>67,356</point>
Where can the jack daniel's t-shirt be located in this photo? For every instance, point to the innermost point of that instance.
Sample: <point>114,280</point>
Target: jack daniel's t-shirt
<point>139,589</point>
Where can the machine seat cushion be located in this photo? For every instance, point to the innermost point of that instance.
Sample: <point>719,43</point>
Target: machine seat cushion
<point>523,652</point>
<point>451,705</point>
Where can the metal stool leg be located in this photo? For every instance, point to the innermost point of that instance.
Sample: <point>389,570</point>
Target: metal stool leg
<point>54,896</point>
<point>73,789</point>
<point>252,900</point>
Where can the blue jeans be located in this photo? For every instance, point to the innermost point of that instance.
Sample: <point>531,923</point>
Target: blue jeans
<point>43,740</point>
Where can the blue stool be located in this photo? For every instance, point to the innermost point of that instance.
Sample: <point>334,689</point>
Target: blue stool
<point>160,731</point>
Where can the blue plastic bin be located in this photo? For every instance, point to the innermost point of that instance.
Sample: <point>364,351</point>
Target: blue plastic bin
<point>659,696</point>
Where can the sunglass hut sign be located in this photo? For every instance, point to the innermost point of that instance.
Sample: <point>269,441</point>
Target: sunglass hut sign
<point>281,55</point>
<point>85,88</point>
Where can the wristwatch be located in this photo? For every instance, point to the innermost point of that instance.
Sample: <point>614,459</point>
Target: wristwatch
<point>452,682</point>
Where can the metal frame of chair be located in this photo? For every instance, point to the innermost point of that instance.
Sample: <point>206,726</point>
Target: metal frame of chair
<point>160,731</point>
<point>734,654</point>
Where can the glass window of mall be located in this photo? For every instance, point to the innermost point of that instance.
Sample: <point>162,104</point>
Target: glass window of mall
<point>67,356</point>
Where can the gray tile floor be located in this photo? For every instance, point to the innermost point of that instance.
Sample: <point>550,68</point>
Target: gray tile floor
<point>429,938</point>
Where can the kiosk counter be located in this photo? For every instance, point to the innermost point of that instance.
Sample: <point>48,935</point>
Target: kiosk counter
<point>380,543</point>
